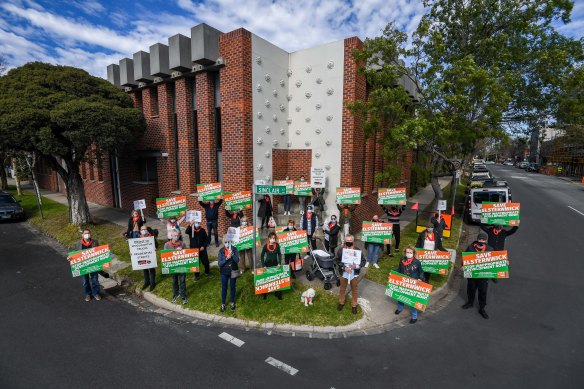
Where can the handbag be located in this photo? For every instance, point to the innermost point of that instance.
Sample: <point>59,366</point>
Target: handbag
<point>272,222</point>
<point>235,272</point>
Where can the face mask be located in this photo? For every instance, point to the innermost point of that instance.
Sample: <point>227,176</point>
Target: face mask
<point>86,236</point>
<point>349,244</point>
<point>227,244</point>
<point>290,226</point>
<point>309,211</point>
<point>480,244</point>
<point>197,225</point>
<point>211,202</point>
<point>376,220</point>
<point>334,220</point>
<point>172,221</point>
<point>409,255</point>
<point>175,238</point>
<point>244,223</point>
<point>272,240</point>
<point>144,232</point>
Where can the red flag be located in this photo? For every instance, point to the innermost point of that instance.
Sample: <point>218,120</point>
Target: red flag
<point>415,207</point>
<point>452,212</point>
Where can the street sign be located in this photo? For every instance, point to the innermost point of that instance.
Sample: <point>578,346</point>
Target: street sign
<point>317,177</point>
<point>270,189</point>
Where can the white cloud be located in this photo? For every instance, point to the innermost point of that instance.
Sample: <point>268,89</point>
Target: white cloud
<point>19,50</point>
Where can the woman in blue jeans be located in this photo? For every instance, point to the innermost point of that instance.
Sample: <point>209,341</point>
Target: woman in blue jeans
<point>373,249</point>
<point>228,259</point>
<point>411,267</point>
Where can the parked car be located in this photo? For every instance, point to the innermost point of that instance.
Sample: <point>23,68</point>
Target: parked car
<point>532,167</point>
<point>491,191</point>
<point>508,163</point>
<point>489,162</point>
<point>10,208</point>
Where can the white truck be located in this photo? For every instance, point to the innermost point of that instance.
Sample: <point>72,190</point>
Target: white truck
<point>490,191</point>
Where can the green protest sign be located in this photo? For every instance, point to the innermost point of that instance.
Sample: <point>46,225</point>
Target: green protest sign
<point>171,207</point>
<point>302,188</point>
<point>391,196</point>
<point>504,214</point>
<point>89,260</point>
<point>348,195</point>
<point>210,192</point>
<point>292,242</point>
<point>372,232</point>
<point>488,264</point>
<point>238,200</point>
<point>411,292</point>
<point>271,279</point>
<point>246,238</point>
<point>433,261</point>
<point>289,184</point>
<point>179,261</point>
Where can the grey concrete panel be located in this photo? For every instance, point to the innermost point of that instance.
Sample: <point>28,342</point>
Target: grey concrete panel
<point>179,53</point>
<point>142,66</point>
<point>204,44</point>
<point>113,74</point>
<point>159,60</point>
<point>127,72</point>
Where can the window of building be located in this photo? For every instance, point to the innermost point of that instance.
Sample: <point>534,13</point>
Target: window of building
<point>146,167</point>
<point>218,134</point>
<point>154,101</point>
<point>139,102</point>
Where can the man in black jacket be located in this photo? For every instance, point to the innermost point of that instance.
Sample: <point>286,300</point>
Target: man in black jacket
<point>212,216</point>
<point>479,245</point>
<point>497,236</point>
<point>198,240</point>
<point>310,224</point>
<point>234,217</point>
<point>393,214</point>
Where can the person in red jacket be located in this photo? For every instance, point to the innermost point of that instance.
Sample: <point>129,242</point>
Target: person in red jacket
<point>90,281</point>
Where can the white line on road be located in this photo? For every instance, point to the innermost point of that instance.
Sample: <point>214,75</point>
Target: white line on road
<point>574,209</point>
<point>231,339</point>
<point>282,366</point>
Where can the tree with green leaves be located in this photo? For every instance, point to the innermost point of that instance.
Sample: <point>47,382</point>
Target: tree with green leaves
<point>60,113</point>
<point>480,68</point>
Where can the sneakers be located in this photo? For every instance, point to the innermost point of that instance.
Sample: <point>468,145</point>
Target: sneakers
<point>397,312</point>
<point>467,306</point>
<point>412,321</point>
<point>97,297</point>
<point>174,298</point>
<point>354,310</point>
<point>340,307</point>
<point>396,250</point>
<point>483,313</point>
<point>222,307</point>
<point>367,264</point>
<point>184,301</point>
<point>232,306</point>
<point>390,255</point>
<point>376,266</point>
<point>88,298</point>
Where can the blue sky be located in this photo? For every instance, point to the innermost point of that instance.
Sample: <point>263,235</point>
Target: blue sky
<point>92,34</point>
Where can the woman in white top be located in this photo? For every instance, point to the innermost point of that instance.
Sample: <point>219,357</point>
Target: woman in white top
<point>173,224</point>
<point>429,240</point>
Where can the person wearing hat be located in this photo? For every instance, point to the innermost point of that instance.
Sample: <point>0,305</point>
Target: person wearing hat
<point>310,224</point>
<point>429,240</point>
<point>496,237</point>
<point>478,246</point>
<point>373,249</point>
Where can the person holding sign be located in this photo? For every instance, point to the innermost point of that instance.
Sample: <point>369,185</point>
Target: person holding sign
<point>318,199</point>
<point>265,210</point>
<point>345,214</point>
<point>331,235</point>
<point>212,216</point>
<point>373,249</point>
<point>439,224</point>
<point>90,281</point>
<point>246,256</point>
<point>310,224</point>
<point>228,259</point>
<point>172,225</point>
<point>272,256</point>
<point>479,246</point>
<point>149,274</point>
<point>234,217</point>
<point>134,225</point>
<point>302,199</point>
<point>393,215</point>
<point>496,237</point>
<point>429,240</point>
<point>179,284</point>
<point>410,266</point>
<point>290,257</point>
<point>198,240</point>
<point>350,272</point>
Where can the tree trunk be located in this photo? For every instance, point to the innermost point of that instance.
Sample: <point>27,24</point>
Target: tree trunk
<point>3,178</point>
<point>434,176</point>
<point>31,160</point>
<point>16,178</point>
<point>78,208</point>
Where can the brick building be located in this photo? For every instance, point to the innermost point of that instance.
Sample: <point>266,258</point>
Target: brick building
<point>234,108</point>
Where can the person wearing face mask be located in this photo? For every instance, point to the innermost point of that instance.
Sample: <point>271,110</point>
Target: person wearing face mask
<point>272,256</point>
<point>331,235</point>
<point>479,246</point>
<point>373,249</point>
<point>289,258</point>
<point>173,224</point>
<point>265,210</point>
<point>134,224</point>
<point>287,201</point>
<point>149,274</point>
<point>234,217</point>
<point>429,240</point>
<point>496,237</point>
<point>179,284</point>
<point>91,280</point>
<point>438,223</point>
<point>212,216</point>
<point>318,199</point>
<point>310,224</point>
<point>346,211</point>
<point>228,260</point>
<point>354,270</point>
<point>393,215</point>
<point>410,266</point>
<point>245,256</point>
<point>302,199</point>
<point>198,240</point>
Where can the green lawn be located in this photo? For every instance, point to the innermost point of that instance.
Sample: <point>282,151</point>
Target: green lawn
<point>409,236</point>
<point>204,295</point>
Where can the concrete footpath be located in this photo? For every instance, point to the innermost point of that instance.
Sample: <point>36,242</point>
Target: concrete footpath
<point>378,308</point>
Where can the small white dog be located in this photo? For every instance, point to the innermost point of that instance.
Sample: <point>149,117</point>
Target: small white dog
<point>307,297</point>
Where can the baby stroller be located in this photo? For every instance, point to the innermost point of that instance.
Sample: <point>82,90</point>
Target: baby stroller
<point>323,267</point>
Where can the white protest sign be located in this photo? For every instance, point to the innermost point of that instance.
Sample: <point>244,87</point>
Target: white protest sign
<point>317,177</point>
<point>441,205</point>
<point>351,257</point>
<point>194,216</point>
<point>233,234</point>
<point>139,204</point>
<point>143,253</point>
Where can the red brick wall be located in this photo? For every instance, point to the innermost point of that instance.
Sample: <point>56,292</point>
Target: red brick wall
<point>293,163</point>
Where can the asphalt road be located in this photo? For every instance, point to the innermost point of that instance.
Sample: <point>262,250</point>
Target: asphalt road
<point>50,337</point>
